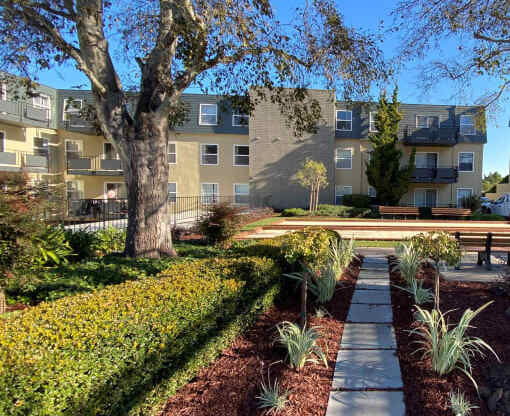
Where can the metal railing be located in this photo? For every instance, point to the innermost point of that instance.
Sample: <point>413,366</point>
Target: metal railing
<point>95,163</point>
<point>431,136</point>
<point>96,214</point>
<point>439,174</point>
<point>19,110</point>
<point>14,159</point>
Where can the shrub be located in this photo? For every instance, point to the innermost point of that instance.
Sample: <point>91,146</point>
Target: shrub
<point>420,294</point>
<point>343,211</point>
<point>271,399</point>
<point>107,241</point>
<point>356,200</point>
<point>321,283</point>
<point>51,247</point>
<point>472,202</point>
<point>96,353</point>
<point>459,404</point>
<point>409,261</point>
<point>81,242</point>
<point>425,213</point>
<point>295,212</point>
<point>487,217</point>
<point>310,246</point>
<point>450,348</point>
<point>221,223</point>
<point>341,254</point>
<point>301,345</point>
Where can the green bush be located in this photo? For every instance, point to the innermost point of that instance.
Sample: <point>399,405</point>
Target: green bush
<point>81,242</point>
<point>295,212</point>
<point>310,246</point>
<point>97,353</point>
<point>221,223</point>
<point>487,217</point>
<point>356,200</point>
<point>472,202</point>
<point>425,213</point>
<point>107,241</point>
<point>325,210</point>
<point>51,247</point>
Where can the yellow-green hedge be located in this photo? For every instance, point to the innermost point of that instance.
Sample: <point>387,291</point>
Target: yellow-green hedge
<point>92,354</point>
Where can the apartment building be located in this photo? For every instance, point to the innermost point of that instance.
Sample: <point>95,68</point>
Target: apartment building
<point>220,152</point>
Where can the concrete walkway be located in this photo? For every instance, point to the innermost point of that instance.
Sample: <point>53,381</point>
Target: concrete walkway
<point>367,379</point>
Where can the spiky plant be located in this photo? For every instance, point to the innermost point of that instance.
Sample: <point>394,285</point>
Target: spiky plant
<point>409,262</point>
<point>420,294</point>
<point>321,283</point>
<point>271,399</point>
<point>448,346</point>
<point>460,405</point>
<point>301,345</point>
<point>341,253</point>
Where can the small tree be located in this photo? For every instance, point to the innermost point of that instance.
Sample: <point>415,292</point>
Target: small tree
<point>437,246</point>
<point>383,171</point>
<point>313,176</point>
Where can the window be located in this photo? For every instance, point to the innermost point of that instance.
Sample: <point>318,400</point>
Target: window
<point>343,158</point>
<point>172,191</point>
<point>42,102</point>
<point>41,146</point>
<point>371,122</point>
<point>71,107</point>
<point>3,92</point>
<point>115,190</point>
<point>426,160</point>
<point>109,152</point>
<point>344,120</point>
<point>241,155</point>
<point>425,198</point>
<point>433,122</point>
<point>340,191</point>
<point>209,154</point>
<point>467,125</point>
<point>2,141</point>
<point>372,193</point>
<point>209,193</point>
<point>172,153</point>
<point>208,115</point>
<point>421,122</point>
<point>461,194</point>
<point>74,190</point>
<point>466,161</point>
<point>73,149</point>
<point>239,119</point>
<point>427,122</point>
<point>241,193</point>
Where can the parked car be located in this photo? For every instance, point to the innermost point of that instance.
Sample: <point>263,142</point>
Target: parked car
<point>500,206</point>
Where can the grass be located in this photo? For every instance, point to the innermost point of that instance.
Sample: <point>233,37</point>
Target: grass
<point>260,223</point>
<point>377,243</point>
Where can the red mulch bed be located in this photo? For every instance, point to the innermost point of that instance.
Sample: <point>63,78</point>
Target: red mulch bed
<point>425,392</point>
<point>229,385</point>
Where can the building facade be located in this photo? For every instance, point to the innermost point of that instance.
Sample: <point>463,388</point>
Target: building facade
<point>219,152</point>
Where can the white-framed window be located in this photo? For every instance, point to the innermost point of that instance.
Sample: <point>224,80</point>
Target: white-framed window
<point>74,190</point>
<point>239,119</point>
<point>41,146</point>
<point>115,190</point>
<point>172,153</point>
<point>466,161</point>
<point>241,193</point>
<point>343,158</point>
<point>209,193</point>
<point>421,122</point>
<point>208,115</point>
<point>74,149</point>
<point>241,155</point>
<point>71,107</point>
<point>427,122</point>
<point>109,152</point>
<point>3,91</point>
<point>425,198</point>
<point>209,154</point>
<point>371,122</point>
<point>426,160</point>
<point>463,193</point>
<point>467,125</point>
<point>172,191</point>
<point>340,191</point>
<point>2,141</point>
<point>344,120</point>
<point>372,193</point>
<point>43,102</point>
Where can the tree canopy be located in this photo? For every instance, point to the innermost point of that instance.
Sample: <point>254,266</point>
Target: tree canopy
<point>313,176</point>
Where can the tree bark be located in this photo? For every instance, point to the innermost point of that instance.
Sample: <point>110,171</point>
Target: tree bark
<point>146,172</point>
<point>304,292</point>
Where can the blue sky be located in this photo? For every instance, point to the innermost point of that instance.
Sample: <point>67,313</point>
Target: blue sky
<point>367,15</point>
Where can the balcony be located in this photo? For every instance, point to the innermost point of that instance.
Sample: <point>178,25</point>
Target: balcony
<point>18,111</point>
<point>94,166</point>
<point>15,161</point>
<point>413,136</point>
<point>78,124</point>
<point>444,174</point>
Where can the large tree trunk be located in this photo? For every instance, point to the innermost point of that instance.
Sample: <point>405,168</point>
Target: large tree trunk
<point>146,172</point>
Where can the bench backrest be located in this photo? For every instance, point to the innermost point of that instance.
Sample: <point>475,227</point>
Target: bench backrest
<point>398,210</point>
<point>451,211</point>
<point>481,239</point>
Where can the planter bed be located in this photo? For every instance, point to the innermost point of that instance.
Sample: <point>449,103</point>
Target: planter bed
<point>426,393</point>
<point>229,385</point>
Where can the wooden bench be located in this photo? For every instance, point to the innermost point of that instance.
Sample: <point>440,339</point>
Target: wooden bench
<point>484,244</point>
<point>398,211</point>
<point>451,212</point>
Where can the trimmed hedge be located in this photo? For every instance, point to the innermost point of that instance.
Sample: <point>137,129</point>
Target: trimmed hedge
<point>326,210</point>
<point>356,200</point>
<point>98,353</point>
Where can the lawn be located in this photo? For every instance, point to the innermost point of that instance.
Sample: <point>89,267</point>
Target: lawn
<point>376,243</point>
<point>261,223</point>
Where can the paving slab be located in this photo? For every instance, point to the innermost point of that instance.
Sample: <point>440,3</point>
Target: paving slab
<point>375,266</point>
<point>473,273</point>
<point>366,403</point>
<point>367,369</point>
<point>373,284</point>
<point>377,297</point>
<point>361,313</point>
<point>373,274</point>
<point>368,336</point>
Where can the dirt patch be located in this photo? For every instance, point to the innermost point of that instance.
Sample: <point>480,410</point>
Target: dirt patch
<point>425,392</point>
<point>229,385</point>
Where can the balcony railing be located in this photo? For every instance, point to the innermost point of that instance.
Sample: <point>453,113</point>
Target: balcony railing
<point>75,122</point>
<point>19,111</point>
<point>441,174</point>
<point>16,160</point>
<point>413,136</point>
<point>94,165</point>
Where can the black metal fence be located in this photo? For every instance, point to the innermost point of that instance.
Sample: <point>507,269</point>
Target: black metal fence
<point>97,214</point>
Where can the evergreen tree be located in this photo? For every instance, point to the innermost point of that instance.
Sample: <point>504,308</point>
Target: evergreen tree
<point>383,171</point>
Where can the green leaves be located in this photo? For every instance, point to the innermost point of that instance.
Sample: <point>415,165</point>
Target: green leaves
<point>271,399</point>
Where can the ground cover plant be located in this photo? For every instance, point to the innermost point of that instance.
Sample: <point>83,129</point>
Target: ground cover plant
<point>325,210</point>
